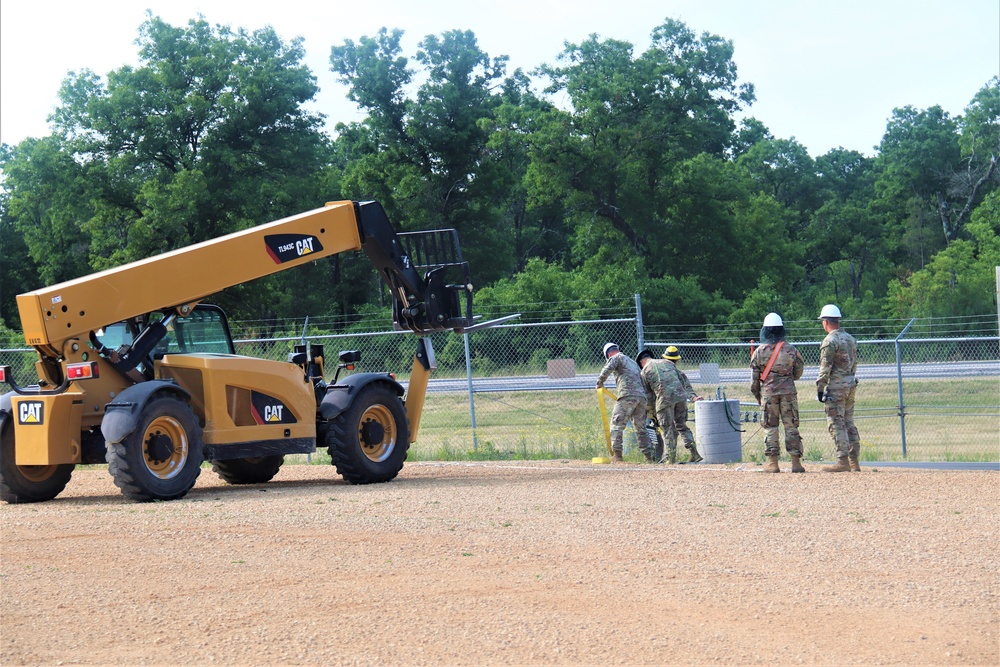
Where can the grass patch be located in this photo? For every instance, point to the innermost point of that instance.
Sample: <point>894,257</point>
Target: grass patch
<point>947,420</point>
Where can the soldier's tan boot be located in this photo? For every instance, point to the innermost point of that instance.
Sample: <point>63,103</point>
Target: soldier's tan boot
<point>694,456</point>
<point>616,457</point>
<point>772,464</point>
<point>842,465</point>
<point>853,461</point>
<point>797,464</point>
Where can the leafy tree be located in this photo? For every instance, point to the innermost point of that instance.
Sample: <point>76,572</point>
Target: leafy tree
<point>783,169</point>
<point>205,136</point>
<point>538,228</point>
<point>609,159</point>
<point>17,270</point>
<point>845,175</point>
<point>959,280</point>
<point>751,132</point>
<point>916,154</point>
<point>47,193</point>
<point>978,172</point>
<point>427,159</point>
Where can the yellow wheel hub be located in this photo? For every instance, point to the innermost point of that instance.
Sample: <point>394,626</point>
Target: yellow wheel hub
<point>36,473</point>
<point>377,432</point>
<point>165,447</point>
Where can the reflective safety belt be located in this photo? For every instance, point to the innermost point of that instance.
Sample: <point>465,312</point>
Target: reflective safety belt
<point>770,362</point>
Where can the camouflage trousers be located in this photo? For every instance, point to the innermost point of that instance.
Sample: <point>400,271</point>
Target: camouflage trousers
<point>781,409</point>
<point>839,409</point>
<point>630,410</point>
<point>673,422</point>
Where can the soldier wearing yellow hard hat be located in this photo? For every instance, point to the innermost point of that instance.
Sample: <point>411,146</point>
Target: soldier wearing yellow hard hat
<point>679,411</point>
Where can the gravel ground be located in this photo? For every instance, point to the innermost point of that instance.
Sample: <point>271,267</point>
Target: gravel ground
<point>557,562</point>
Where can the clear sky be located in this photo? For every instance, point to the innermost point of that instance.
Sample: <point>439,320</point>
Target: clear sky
<point>826,73</point>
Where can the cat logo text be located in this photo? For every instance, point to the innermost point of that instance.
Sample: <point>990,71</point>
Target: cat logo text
<point>30,413</point>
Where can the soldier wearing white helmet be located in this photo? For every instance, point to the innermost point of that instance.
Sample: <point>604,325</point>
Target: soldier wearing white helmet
<point>835,387</point>
<point>631,403</point>
<point>775,366</point>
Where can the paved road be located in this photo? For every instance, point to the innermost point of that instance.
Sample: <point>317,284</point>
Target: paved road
<point>726,376</point>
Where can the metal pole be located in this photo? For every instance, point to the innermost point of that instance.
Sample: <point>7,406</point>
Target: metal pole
<point>899,381</point>
<point>472,401</point>
<point>638,324</point>
<point>305,326</point>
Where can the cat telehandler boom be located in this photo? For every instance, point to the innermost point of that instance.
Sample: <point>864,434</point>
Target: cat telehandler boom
<point>135,371</point>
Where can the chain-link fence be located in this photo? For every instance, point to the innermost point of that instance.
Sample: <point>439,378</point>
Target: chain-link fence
<point>527,390</point>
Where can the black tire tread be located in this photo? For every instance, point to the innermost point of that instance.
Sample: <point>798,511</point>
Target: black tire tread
<point>346,453</point>
<point>14,487</point>
<point>248,471</point>
<point>121,469</point>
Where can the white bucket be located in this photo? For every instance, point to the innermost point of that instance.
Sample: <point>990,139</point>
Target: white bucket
<point>719,432</point>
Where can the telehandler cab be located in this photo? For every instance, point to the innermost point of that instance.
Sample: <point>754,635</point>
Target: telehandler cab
<point>135,371</point>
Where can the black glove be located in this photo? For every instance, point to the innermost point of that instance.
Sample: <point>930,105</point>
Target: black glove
<point>820,396</point>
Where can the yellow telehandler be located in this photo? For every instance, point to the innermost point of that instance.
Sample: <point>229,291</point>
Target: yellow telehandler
<point>135,371</point>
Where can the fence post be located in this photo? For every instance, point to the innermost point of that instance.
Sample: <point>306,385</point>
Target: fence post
<point>899,381</point>
<point>638,324</point>
<point>472,401</point>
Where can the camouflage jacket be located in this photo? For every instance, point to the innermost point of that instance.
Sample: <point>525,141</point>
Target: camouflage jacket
<point>838,360</point>
<point>665,384</point>
<point>628,382</point>
<point>786,370</point>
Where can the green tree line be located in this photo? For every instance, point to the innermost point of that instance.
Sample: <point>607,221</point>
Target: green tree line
<point>606,173</point>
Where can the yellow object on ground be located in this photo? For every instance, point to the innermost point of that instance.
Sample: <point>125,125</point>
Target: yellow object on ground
<point>600,459</point>
<point>601,391</point>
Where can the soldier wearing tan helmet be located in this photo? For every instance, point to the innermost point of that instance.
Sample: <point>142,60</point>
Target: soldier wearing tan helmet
<point>668,391</point>
<point>631,404</point>
<point>774,367</point>
<point>835,386</point>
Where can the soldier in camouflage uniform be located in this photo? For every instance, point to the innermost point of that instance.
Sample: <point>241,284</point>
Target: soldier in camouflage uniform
<point>631,403</point>
<point>835,386</point>
<point>775,366</point>
<point>667,393</point>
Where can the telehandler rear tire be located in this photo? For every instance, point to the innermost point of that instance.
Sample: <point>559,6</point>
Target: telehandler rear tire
<point>161,458</point>
<point>254,470</point>
<point>28,484</point>
<point>368,441</point>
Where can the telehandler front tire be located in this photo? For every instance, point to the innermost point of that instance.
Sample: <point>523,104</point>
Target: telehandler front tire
<point>255,470</point>
<point>161,458</point>
<point>369,440</point>
<point>28,484</point>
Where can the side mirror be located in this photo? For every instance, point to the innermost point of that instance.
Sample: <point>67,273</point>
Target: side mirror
<point>347,360</point>
<point>349,356</point>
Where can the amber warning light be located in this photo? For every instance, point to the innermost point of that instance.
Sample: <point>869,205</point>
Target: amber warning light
<point>84,371</point>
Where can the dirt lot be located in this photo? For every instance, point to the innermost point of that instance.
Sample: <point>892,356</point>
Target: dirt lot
<point>558,562</point>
